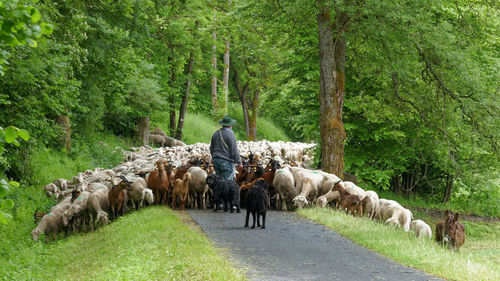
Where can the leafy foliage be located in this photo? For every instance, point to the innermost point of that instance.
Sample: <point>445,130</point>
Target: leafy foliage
<point>8,135</point>
<point>19,24</point>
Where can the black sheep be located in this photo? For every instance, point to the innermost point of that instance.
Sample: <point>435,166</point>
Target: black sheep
<point>227,190</point>
<point>256,202</point>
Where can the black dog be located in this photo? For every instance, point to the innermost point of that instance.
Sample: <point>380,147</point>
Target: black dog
<point>227,190</point>
<point>256,202</point>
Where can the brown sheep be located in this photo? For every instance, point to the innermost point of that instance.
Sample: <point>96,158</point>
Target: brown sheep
<point>350,203</point>
<point>116,197</point>
<point>159,181</point>
<point>181,189</point>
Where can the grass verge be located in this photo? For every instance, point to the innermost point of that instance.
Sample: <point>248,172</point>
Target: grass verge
<point>478,259</point>
<point>151,244</point>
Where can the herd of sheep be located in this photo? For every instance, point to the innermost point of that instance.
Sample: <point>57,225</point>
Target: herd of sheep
<point>177,175</point>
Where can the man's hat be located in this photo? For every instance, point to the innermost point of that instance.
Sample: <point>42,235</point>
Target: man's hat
<point>227,121</point>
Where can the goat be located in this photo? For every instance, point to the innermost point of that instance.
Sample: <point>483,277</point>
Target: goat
<point>116,197</point>
<point>350,203</point>
<point>159,181</point>
<point>181,189</point>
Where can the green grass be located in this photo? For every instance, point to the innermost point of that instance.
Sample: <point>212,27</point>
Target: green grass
<point>199,127</point>
<point>151,244</point>
<point>478,259</point>
<point>45,165</point>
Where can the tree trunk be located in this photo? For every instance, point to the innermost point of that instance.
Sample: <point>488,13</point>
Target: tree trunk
<point>448,189</point>
<point>332,86</point>
<point>242,94</point>
<point>182,112</point>
<point>225,78</point>
<point>398,189</point>
<point>172,94</point>
<point>64,122</point>
<point>253,117</point>
<point>143,126</point>
<point>214,76</point>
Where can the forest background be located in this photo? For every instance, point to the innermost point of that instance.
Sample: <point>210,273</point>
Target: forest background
<point>417,83</point>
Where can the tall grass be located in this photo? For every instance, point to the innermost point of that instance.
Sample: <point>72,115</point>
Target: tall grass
<point>478,259</point>
<point>199,127</point>
<point>151,244</point>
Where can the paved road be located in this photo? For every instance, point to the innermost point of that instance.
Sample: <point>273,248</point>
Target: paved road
<point>294,248</point>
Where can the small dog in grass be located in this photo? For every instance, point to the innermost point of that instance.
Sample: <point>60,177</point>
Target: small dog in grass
<point>226,190</point>
<point>256,202</point>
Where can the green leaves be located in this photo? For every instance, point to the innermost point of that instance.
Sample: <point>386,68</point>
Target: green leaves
<point>18,27</point>
<point>6,204</point>
<point>11,133</point>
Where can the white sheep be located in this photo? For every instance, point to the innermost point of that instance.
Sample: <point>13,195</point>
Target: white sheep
<point>97,206</point>
<point>398,216</point>
<point>136,195</point>
<point>383,205</point>
<point>323,200</point>
<point>79,207</point>
<point>353,189</point>
<point>51,223</point>
<point>306,183</point>
<point>51,190</point>
<point>421,229</point>
<point>285,187</point>
<point>198,186</point>
<point>370,203</point>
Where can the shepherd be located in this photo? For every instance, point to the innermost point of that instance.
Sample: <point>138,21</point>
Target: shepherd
<point>224,150</point>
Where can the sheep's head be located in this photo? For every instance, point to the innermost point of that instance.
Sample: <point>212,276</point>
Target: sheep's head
<point>35,233</point>
<point>187,177</point>
<point>66,218</point>
<point>102,216</point>
<point>50,189</point>
<point>160,164</point>
<point>76,193</point>
<point>392,221</point>
<point>125,184</point>
<point>413,224</point>
<point>321,202</point>
<point>300,201</point>
<point>148,195</point>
